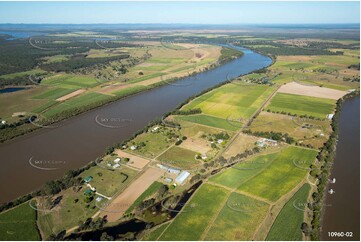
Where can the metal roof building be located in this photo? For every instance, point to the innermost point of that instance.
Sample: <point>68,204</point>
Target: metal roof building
<point>182,177</point>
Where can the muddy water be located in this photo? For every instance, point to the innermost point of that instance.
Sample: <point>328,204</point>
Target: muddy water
<point>342,209</point>
<point>29,161</point>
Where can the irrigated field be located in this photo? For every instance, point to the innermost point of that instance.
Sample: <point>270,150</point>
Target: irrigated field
<point>301,105</point>
<point>19,223</point>
<point>287,225</point>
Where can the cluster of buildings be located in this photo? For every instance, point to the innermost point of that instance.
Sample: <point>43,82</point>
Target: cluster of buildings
<point>181,175</point>
<point>266,142</point>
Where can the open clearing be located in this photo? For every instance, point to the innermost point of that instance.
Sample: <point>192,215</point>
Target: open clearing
<point>306,131</point>
<point>287,225</point>
<point>302,105</point>
<point>312,91</point>
<point>195,216</point>
<point>241,143</point>
<point>19,223</point>
<point>180,158</point>
<point>134,161</point>
<point>121,203</point>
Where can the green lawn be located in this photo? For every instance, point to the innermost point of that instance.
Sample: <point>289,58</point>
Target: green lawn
<point>190,224</point>
<point>179,157</point>
<point>238,219</point>
<point>19,223</point>
<point>287,225</point>
<point>155,143</point>
<point>301,105</point>
<point>282,175</point>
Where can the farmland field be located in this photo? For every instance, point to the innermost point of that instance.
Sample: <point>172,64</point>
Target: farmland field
<point>287,225</point>
<point>211,121</point>
<point>19,223</point>
<point>301,105</point>
<point>286,171</point>
<point>238,219</point>
<point>192,222</point>
<point>235,176</point>
<point>180,158</point>
<point>232,101</point>
<point>307,131</point>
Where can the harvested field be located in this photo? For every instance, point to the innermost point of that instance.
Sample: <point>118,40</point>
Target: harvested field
<point>134,161</point>
<point>70,95</point>
<point>120,204</point>
<point>312,91</point>
<point>198,145</point>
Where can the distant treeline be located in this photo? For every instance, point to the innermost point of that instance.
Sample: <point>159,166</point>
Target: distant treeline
<point>80,62</point>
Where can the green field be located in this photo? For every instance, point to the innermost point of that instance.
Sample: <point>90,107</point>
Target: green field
<point>282,175</point>
<point>301,105</point>
<point>211,121</point>
<point>19,223</point>
<point>155,233</point>
<point>240,173</point>
<point>179,157</point>
<point>238,219</point>
<point>70,81</point>
<point>154,187</point>
<point>77,102</point>
<point>53,94</point>
<point>232,101</point>
<point>287,225</point>
<point>190,224</point>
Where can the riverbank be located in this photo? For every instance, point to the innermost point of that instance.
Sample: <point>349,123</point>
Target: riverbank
<point>10,133</point>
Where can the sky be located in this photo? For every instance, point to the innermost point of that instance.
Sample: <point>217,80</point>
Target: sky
<point>180,12</point>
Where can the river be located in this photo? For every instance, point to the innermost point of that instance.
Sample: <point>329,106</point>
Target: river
<point>80,139</point>
<point>342,209</point>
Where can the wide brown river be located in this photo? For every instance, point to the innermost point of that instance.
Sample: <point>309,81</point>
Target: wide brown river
<point>29,161</point>
<point>342,209</point>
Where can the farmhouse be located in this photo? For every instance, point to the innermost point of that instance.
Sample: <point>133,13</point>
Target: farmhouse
<point>88,179</point>
<point>266,142</point>
<point>329,116</point>
<point>133,147</point>
<point>182,177</point>
<point>155,128</point>
<point>117,160</point>
<point>116,166</point>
